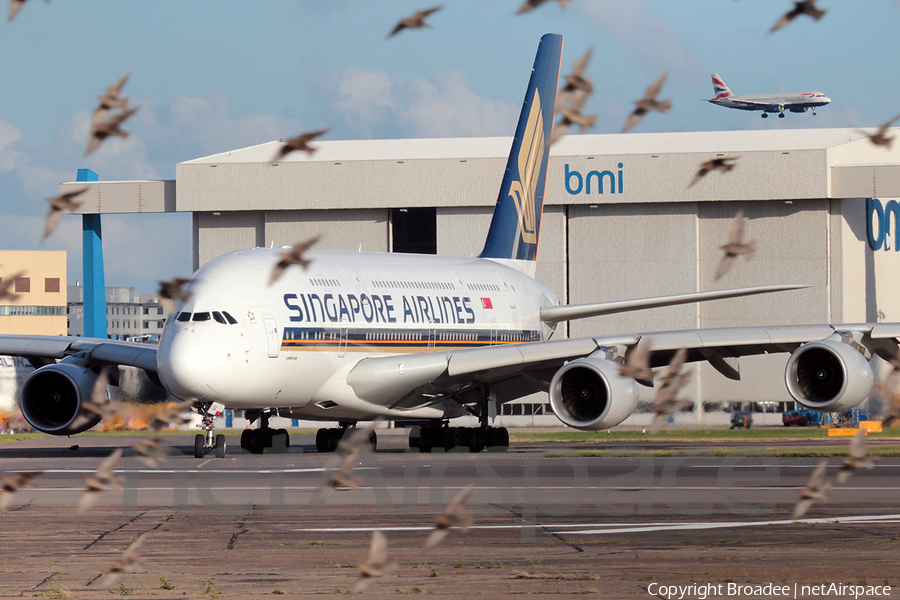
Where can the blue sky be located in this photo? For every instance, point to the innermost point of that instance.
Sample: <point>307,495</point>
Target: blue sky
<point>215,75</point>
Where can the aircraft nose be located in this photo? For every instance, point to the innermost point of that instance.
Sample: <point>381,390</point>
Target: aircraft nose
<point>182,365</point>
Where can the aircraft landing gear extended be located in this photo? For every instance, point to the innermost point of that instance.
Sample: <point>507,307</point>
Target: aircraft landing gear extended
<point>327,440</point>
<point>780,115</point>
<point>476,439</point>
<point>209,440</point>
<point>265,439</point>
<point>765,115</point>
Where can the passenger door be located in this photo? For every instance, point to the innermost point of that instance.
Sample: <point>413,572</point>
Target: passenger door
<point>273,340</point>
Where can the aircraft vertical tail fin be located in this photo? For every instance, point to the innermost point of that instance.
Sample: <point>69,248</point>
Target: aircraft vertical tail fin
<point>721,90</point>
<point>516,224</point>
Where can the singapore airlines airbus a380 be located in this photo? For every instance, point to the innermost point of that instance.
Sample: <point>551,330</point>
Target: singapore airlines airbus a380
<point>421,340</point>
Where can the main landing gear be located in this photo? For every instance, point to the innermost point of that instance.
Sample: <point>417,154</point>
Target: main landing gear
<point>327,440</point>
<point>204,442</point>
<point>475,439</point>
<point>265,439</point>
<point>765,115</point>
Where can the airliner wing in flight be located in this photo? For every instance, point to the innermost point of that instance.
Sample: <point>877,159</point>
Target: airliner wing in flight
<point>420,340</point>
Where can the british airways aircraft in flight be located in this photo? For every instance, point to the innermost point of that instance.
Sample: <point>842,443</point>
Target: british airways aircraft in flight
<point>421,339</point>
<point>768,103</point>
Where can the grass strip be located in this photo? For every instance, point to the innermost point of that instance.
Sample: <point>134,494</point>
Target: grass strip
<point>683,435</point>
<point>6,438</point>
<point>781,452</point>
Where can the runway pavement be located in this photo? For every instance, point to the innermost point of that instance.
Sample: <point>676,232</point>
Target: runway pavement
<point>243,526</point>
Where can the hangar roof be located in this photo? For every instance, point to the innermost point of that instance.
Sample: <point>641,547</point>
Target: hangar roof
<point>493,147</point>
<point>772,164</point>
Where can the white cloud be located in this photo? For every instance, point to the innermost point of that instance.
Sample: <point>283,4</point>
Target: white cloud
<point>364,98</point>
<point>645,37</point>
<point>368,103</point>
<point>9,135</point>
<point>448,108</point>
<point>192,127</point>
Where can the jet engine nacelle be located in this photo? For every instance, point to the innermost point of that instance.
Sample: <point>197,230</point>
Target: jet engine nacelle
<point>589,393</point>
<point>828,376</point>
<point>799,109</point>
<point>52,398</point>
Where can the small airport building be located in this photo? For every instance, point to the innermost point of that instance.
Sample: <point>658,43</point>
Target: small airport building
<point>623,218</point>
<point>35,298</point>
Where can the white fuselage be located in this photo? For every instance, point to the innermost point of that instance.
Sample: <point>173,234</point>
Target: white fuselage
<point>792,101</point>
<point>292,344</point>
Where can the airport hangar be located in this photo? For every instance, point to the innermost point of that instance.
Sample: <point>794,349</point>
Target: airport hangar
<point>621,220</point>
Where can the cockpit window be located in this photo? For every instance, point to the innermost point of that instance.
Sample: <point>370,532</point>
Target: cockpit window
<point>231,320</point>
<point>183,316</point>
<point>201,316</point>
<point>219,318</point>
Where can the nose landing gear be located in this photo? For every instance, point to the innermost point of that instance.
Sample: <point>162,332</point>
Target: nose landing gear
<point>204,442</point>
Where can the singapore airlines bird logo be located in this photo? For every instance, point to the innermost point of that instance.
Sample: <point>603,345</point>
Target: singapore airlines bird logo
<point>522,190</point>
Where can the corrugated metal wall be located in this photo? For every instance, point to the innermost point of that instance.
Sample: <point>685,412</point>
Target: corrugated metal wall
<point>353,230</point>
<point>217,233</point>
<point>339,185</point>
<point>475,181</point>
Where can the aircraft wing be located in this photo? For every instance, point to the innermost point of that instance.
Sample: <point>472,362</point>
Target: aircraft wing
<point>42,350</point>
<point>756,103</point>
<point>570,312</point>
<point>419,378</point>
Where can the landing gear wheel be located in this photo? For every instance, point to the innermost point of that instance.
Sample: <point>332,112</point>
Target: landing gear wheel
<point>427,439</point>
<point>477,440</point>
<point>280,441</point>
<point>327,440</point>
<point>250,441</point>
<point>199,441</point>
<point>334,438</point>
<point>373,439</point>
<point>220,446</point>
<point>498,439</point>
<point>780,115</point>
<point>765,115</point>
<point>451,438</point>
<point>322,440</point>
<point>246,439</point>
<point>415,437</point>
